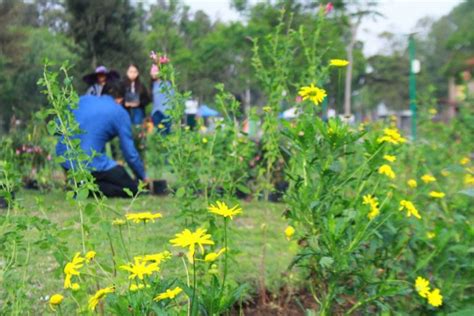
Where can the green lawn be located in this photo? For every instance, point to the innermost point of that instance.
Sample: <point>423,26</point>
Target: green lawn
<point>256,239</point>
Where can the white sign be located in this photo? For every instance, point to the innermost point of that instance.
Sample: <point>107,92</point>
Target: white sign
<point>415,66</point>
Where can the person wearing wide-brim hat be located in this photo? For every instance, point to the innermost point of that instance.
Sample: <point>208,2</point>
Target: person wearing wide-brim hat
<point>98,79</point>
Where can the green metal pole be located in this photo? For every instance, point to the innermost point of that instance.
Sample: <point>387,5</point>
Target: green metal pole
<point>411,50</point>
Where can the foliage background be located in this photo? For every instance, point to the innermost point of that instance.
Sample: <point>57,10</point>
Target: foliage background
<point>206,52</point>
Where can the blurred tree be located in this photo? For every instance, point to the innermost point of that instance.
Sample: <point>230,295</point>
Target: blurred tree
<point>444,46</point>
<point>239,5</point>
<point>48,13</point>
<point>102,30</point>
<point>351,14</point>
<point>11,52</point>
<point>461,41</point>
<point>40,45</point>
<point>387,81</point>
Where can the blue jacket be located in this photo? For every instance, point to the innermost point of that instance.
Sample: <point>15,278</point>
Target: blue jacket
<point>100,120</point>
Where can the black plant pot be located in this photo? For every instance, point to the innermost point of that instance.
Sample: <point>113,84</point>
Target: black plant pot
<point>31,184</point>
<point>280,189</point>
<point>241,195</point>
<point>160,187</point>
<point>4,201</point>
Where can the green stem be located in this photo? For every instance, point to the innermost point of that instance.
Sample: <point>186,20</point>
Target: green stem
<point>193,302</point>
<point>325,308</point>
<point>83,234</point>
<point>188,283</point>
<point>225,257</point>
<point>123,244</point>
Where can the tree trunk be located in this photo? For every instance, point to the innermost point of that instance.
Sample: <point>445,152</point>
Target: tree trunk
<point>348,83</point>
<point>94,61</point>
<point>247,100</point>
<point>350,58</point>
<point>451,111</point>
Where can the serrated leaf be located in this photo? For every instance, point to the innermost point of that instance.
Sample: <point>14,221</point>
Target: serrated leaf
<point>326,262</point>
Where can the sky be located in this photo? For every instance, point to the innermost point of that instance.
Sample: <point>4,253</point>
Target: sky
<point>400,17</point>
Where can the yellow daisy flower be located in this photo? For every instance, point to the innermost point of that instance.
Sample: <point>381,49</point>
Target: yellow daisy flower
<point>134,287</point>
<point>338,62</point>
<point>289,232</point>
<point>94,299</point>
<point>223,210</point>
<point>374,206</point>
<point>389,158</point>
<point>118,222</point>
<point>188,239</point>
<point>55,300</point>
<point>212,256</point>
<point>464,161</point>
<point>437,195</point>
<point>140,268</point>
<point>171,294</point>
<point>422,286</point>
<point>435,298</point>
<point>313,93</point>
<point>412,183</point>
<point>72,268</point>
<point>391,135</point>
<point>90,255</point>
<point>387,170</point>
<point>156,258</point>
<point>143,217</point>
<point>468,179</point>
<point>410,208</point>
<point>427,178</point>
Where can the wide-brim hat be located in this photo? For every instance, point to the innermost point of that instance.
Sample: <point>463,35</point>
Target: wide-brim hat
<point>91,78</point>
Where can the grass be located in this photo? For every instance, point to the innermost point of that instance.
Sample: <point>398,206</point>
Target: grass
<point>256,239</point>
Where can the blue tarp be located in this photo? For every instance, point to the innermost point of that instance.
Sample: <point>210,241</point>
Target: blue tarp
<point>205,111</point>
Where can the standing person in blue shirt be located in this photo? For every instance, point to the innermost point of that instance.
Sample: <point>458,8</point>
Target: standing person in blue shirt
<point>161,91</point>
<point>136,95</point>
<point>100,119</point>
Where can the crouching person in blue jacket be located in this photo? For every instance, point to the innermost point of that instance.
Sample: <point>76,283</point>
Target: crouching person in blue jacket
<point>101,119</point>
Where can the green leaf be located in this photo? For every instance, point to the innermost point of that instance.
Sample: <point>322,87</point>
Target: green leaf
<point>82,194</point>
<point>326,262</point>
<point>90,209</point>
<point>465,312</point>
<point>51,127</point>
<point>180,192</point>
<point>244,189</point>
<point>128,191</point>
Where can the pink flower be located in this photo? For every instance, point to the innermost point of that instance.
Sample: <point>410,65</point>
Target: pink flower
<point>298,99</point>
<point>329,8</point>
<point>154,70</point>
<point>48,157</point>
<point>17,152</point>
<point>164,60</point>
